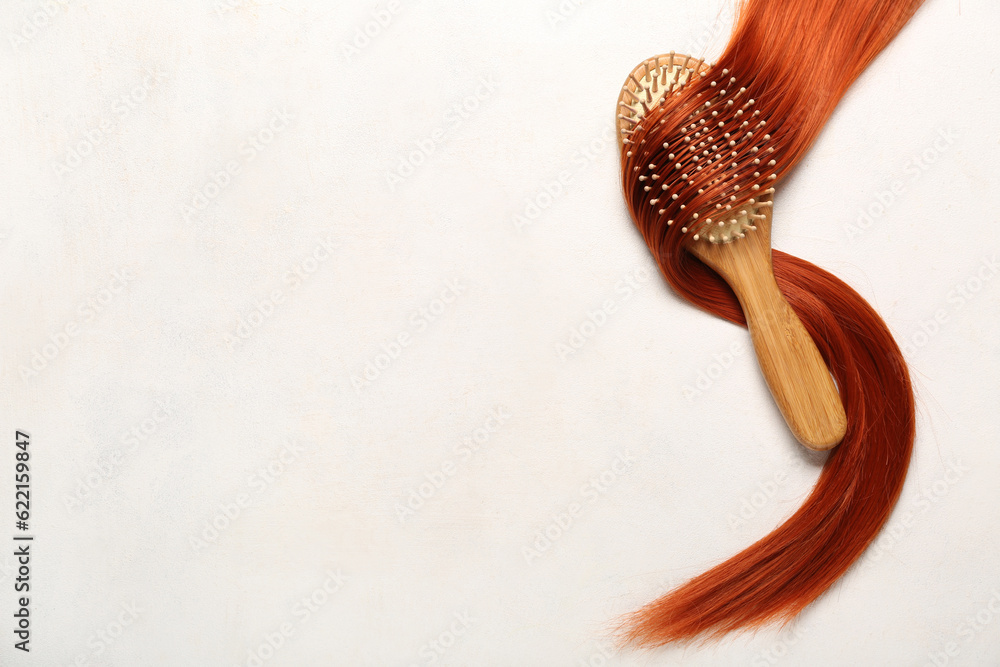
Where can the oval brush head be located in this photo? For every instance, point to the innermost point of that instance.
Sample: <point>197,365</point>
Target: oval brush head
<point>731,232</point>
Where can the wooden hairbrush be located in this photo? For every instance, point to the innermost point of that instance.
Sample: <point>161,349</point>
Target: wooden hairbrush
<point>735,239</point>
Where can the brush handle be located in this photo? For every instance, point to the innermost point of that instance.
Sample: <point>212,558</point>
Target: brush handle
<point>792,365</point>
<point>794,369</point>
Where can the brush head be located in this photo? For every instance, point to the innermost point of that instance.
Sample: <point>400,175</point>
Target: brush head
<point>720,147</point>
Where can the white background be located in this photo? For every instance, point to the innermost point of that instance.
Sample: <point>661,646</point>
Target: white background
<point>118,521</point>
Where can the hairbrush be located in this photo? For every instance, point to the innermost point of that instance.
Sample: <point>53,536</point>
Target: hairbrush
<point>725,136</point>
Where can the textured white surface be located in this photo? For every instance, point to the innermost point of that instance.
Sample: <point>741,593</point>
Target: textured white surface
<point>172,94</point>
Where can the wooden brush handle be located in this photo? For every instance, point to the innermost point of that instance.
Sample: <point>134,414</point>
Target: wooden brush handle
<point>792,365</point>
